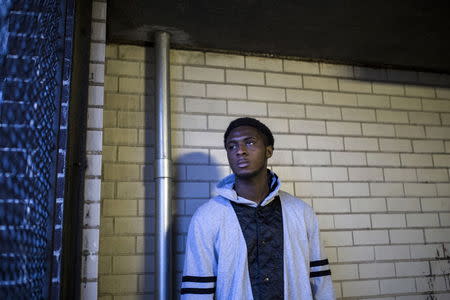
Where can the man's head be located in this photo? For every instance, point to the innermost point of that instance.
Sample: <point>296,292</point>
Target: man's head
<point>249,143</point>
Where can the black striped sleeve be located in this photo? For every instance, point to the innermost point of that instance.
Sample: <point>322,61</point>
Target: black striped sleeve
<point>198,290</point>
<point>321,268</point>
<point>199,279</point>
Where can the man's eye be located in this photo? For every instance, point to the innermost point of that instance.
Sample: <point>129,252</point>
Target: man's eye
<point>250,142</point>
<point>231,147</point>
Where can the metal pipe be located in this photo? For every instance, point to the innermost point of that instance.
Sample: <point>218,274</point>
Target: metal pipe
<point>163,170</point>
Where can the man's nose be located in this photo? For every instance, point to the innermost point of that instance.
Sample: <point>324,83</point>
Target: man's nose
<point>242,149</point>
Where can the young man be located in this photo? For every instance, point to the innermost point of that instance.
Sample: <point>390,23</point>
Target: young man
<point>254,241</point>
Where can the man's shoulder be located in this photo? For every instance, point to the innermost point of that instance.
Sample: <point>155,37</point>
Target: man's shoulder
<point>293,202</point>
<point>211,208</point>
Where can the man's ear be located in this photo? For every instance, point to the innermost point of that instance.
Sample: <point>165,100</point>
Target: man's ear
<point>269,151</point>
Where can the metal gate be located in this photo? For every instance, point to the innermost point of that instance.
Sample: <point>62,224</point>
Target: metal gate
<point>35,64</point>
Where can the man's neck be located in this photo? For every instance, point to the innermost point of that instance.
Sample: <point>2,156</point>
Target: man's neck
<point>255,188</point>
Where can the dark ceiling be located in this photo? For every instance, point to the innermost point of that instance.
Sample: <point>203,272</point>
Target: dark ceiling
<point>396,33</point>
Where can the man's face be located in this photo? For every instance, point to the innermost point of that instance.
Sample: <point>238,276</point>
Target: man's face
<point>246,151</point>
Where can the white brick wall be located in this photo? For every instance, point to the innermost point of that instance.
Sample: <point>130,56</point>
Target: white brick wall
<point>368,150</point>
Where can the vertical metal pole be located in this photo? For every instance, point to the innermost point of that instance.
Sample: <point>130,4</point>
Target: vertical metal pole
<point>163,171</point>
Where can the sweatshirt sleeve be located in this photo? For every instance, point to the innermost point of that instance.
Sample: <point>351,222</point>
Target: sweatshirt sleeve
<point>320,274</point>
<point>200,262</point>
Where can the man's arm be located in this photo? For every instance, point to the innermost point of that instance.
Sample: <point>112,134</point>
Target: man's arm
<point>320,274</point>
<point>200,264</point>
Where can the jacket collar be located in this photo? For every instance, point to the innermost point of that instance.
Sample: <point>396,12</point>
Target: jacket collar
<point>225,189</point>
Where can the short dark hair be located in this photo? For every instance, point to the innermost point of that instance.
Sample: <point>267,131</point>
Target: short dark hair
<point>252,123</point>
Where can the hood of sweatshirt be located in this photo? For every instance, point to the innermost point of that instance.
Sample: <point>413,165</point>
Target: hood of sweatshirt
<point>225,188</point>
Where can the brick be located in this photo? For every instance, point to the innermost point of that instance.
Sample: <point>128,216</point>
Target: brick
<point>94,141</point>
<point>445,119</point>
<point>368,204</point>
<point>422,220</point>
<point>245,77</point>
<point>424,284</point>
<point>266,94</point>
<point>124,102</point>
<point>343,128</point>
<point>224,60</point>
<point>426,251</point>
<point>93,189</point>
<point>97,52</point>
<point>192,190</point>
<point>370,73</point>
<point>290,141</point>
<point>435,204</point>
<point>128,119</point>
<point>120,172</point>
<point>356,253</point>
<point>281,157</point>
<point>406,236</point>
<point>369,237</point>
<point>348,158</point>
<point>390,116</point>
<point>425,118</point>
<point>445,219</point>
<point>329,174</point>
<point>403,204</point>
<point>289,173</point>
<point>355,86</point>
<point>388,89</point>
<point>351,189</point>
<point>383,159</point>
<point>111,84</point>
<point>118,283</point>
<point>306,67</point>
<point>388,221</point>
<point>394,252</point>
<point>376,101</point>
<point>247,108</point>
<point>432,175</point>
<point>96,73</point>
<point>344,99</point>
<point>320,83</point>
<point>176,72</point>
<point>205,105</point>
<point>303,96</point>
<point>370,129</point>
<point>386,189</point>
<point>402,75</point>
<point>135,154</point>
<point>395,145</point>
<point>325,143</point>
<point>132,264</point>
<point>365,174</point>
<point>307,126</point>
<point>344,272</point>
<point>94,165</point>
<point>323,112</point>
<point>400,174</point>
<point>263,63</point>
<point>406,103</point>
<point>98,31</point>
<point>360,144</point>
<point>336,70</point>
<point>420,189</point>
<point>436,105</point>
<point>340,238</point>
<point>276,124</point>
<point>117,245</point>
<point>360,288</point>
<point>392,286</point>
<point>331,205</point>
<point>447,146</point>
<point>96,95</point>
<point>185,57</point>
<point>326,222</point>
<point>416,160</point>
<point>180,88</point>
<point>204,74</point>
<point>219,122</point>
<point>410,131</point>
<point>203,139</point>
<point>313,189</point>
<point>210,173</point>
<point>119,136</point>
<point>120,67</point>
<point>135,85</point>
<point>311,158</point>
<point>283,80</point>
<point>358,114</point>
<point>440,267</point>
<point>376,270</point>
<point>443,93</point>
<point>132,190</point>
<point>109,118</point>
<point>107,189</point>
<point>441,160</point>
<point>419,91</point>
<point>437,132</point>
<point>286,110</point>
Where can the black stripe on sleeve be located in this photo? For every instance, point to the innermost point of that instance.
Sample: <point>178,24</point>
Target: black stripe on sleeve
<point>318,263</point>
<point>197,291</point>
<point>199,279</point>
<point>319,273</point>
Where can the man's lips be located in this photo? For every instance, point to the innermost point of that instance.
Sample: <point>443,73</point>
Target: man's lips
<point>243,163</point>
